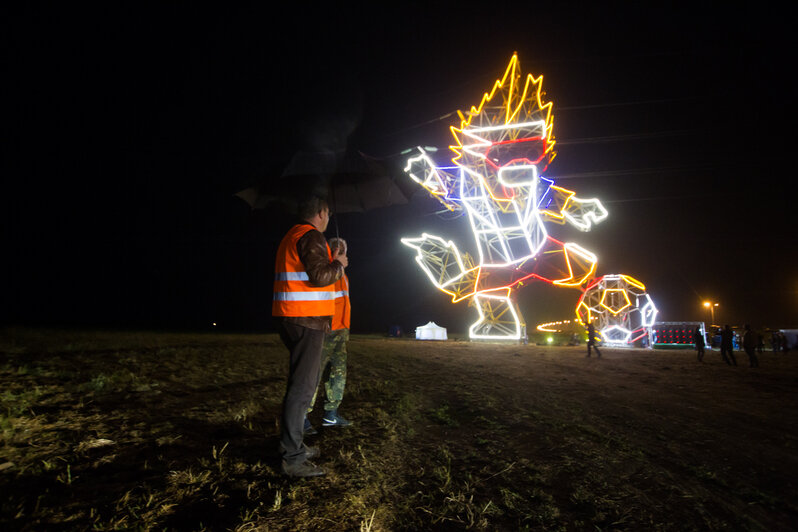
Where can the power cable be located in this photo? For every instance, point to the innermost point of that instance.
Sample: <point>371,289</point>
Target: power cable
<point>622,104</point>
<point>637,171</point>
<point>558,109</point>
<point>630,136</point>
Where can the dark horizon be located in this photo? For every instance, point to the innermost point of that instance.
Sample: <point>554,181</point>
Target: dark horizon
<point>131,129</point>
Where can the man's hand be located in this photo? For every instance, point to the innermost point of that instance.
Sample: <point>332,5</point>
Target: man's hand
<point>341,258</point>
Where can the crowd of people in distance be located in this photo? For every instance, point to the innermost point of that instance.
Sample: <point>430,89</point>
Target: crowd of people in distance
<point>753,344</point>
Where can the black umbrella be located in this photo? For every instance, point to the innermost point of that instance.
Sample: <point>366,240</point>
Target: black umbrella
<point>361,184</point>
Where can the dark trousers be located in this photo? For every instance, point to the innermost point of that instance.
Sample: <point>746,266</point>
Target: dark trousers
<point>591,343</point>
<point>724,350</point>
<point>752,358</point>
<point>304,346</point>
<point>700,349</point>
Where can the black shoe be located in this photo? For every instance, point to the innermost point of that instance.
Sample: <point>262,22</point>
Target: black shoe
<point>332,419</point>
<point>303,469</point>
<point>311,452</point>
<point>309,430</point>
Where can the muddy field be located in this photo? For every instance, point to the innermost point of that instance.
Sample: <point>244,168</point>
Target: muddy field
<point>141,430</point>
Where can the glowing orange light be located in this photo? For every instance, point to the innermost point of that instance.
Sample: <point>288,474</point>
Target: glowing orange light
<point>612,293</point>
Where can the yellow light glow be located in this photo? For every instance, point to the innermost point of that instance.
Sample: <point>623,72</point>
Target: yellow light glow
<point>574,254</point>
<point>501,148</point>
<point>622,320</point>
<point>610,291</point>
<point>560,198</point>
<point>631,280</point>
<point>513,103</point>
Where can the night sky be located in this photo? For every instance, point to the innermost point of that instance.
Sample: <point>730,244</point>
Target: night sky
<point>128,130</point>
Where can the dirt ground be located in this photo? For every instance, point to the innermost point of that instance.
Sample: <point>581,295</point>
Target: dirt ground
<point>119,430</point>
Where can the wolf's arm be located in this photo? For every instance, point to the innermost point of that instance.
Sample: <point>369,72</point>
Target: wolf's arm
<point>437,181</point>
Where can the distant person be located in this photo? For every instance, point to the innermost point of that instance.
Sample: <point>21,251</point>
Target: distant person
<point>334,352</point>
<point>749,345</point>
<point>698,340</point>
<point>305,271</point>
<point>591,340</point>
<point>785,345</point>
<point>727,346</point>
<point>774,342</point>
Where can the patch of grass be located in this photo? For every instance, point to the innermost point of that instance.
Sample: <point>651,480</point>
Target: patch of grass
<point>443,415</point>
<point>13,404</point>
<point>179,431</point>
<point>408,407</point>
<point>118,381</point>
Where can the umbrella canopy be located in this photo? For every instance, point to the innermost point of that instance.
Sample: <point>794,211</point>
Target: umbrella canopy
<point>363,184</point>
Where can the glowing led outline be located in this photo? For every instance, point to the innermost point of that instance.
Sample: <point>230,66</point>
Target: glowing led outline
<point>615,290</point>
<point>644,305</point>
<point>607,330</point>
<point>488,206</point>
<point>586,255</point>
<point>542,326</point>
<point>446,244</point>
<point>516,168</point>
<point>511,308</point>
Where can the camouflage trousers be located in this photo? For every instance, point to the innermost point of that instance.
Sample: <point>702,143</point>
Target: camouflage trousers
<point>333,354</point>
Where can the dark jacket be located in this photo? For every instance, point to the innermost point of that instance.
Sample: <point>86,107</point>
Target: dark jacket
<point>749,340</point>
<point>727,338</point>
<point>698,339</point>
<point>591,334</point>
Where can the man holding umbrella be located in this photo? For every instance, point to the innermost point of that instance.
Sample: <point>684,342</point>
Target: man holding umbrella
<point>304,301</point>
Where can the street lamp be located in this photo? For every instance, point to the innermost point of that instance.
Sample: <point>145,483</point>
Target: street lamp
<point>711,306</point>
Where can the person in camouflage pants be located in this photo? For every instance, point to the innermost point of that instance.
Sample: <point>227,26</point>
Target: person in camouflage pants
<point>334,354</point>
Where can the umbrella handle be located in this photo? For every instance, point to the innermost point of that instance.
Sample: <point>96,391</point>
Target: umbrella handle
<point>332,201</point>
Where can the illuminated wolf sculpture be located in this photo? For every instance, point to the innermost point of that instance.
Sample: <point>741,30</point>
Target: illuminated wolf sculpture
<point>503,147</point>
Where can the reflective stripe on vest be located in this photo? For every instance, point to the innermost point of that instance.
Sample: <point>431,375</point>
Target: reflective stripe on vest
<point>294,295</point>
<point>304,296</point>
<point>291,276</point>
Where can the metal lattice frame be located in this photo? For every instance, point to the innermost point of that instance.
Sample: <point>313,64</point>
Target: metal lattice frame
<point>619,308</point>
<point>498,317</point>
<point>503,145</point>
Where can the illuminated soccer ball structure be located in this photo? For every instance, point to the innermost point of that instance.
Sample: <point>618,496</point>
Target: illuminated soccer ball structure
<point>503,147</point>
<point>619,308</point>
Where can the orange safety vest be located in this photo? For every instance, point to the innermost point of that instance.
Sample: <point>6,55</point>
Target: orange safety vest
<point>294,295</point>
<point>342,307</point>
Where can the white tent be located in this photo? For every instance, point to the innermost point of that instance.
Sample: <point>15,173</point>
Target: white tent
<point>431,331</point>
